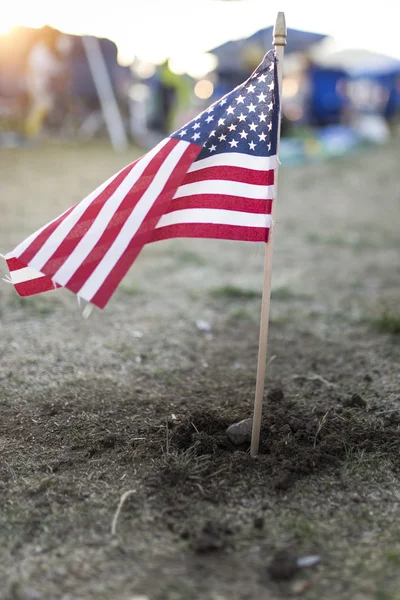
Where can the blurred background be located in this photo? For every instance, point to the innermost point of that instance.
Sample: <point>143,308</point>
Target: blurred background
<point>136,72</point>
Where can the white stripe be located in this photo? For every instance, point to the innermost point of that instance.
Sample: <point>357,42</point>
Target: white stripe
<point>28,241</point>
<point>100,224</point>
<point>235,159</point>
<point>231,188</point>
<point>25,274</point>
<point>132,224</point>
<point>215,216</point>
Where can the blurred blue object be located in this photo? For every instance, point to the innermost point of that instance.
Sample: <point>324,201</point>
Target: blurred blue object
<point>336,140</point>
<point>327,95</point>
<point>376,88</point>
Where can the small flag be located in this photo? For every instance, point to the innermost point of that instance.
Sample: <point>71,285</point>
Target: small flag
<point>213,178</point>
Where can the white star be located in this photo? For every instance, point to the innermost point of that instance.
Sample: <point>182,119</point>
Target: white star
<point>251,88</point>
<point>233,143</point>
<point>253,126</point>
<point>262,136</point>
<point>230,110</point>
<point>221,121</point>
<point>223,101</point>
<point>270,106</point>
<point>182,133</point>
<point>243,134</point>
<point>209,119</point>
<point>262,78</point>
<point>251,107</point>
<point>222,137</point>
<point>269,126</point>
<point>271,85</point>
<point>269,146</point>
<point>262,97</point>
<point>210,109</point>
<point>196,126</point>
<point>241,117</point>
<point>195,136</point>
<point>212,133</point>
<point>252,145</point>
<point>212,148</point>
<point>271,67</point>
<point>232,127</point>
<point>262,117</point>
<point>240,99</point>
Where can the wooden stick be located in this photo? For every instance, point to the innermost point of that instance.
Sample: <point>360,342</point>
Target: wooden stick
<point>279,42</point>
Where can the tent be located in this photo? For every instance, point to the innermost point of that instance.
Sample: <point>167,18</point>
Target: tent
<point>373,80</point>
<point>327,98</point>
<point>16,45</point>
<point>232,54</point>
<point>237,58</point>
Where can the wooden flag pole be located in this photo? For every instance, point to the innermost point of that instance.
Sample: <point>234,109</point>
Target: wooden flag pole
<point>279,41</point>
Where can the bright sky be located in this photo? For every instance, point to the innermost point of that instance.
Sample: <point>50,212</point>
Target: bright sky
<point>182,29</point>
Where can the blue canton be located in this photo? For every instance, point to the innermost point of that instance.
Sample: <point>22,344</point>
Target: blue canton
<point>245,120</point>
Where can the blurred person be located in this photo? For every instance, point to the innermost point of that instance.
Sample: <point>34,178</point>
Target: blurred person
<point>171,94</point>
<point>44,66</point>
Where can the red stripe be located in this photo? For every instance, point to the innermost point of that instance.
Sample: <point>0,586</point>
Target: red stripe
<point>231,174</point>
<point>222,202</point>
<point>145,232</point>
<point>34,286</point>
<point>119,218</point>
<point>211,230</point>
<point>14,264</point>
<point>79,230</point>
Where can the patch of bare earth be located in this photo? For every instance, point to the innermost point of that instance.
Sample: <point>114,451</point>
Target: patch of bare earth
<point>138,398</point>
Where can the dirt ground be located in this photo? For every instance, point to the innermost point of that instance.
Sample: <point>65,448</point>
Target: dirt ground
<point>137,399</point>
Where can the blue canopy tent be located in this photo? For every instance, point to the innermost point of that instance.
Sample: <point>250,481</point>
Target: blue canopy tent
<point>327,98</point>
<point>377,88</point>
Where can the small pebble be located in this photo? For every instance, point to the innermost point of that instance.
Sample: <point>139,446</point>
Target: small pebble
<point>203,325</point>
<point>308,561</point>
<point>240,433</point>
<point>137,334</point>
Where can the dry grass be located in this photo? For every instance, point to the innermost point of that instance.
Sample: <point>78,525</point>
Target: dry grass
<point>136,397</point>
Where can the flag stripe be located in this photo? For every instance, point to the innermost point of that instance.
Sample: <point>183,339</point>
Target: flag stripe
<point>223,202</point>
<point>233,188</point>
<point>91,262</point>
<point>231,173</point>
<point>126,197</point>
<point>83,229</point>
<point>217,217</point>
<point>207,230</point>
<point>117,260</point>
<point>35,286</point>
<point>24,274</point>
<point>228,159</point>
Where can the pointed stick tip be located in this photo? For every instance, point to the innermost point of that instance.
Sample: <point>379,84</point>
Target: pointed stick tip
<point>280,31</point>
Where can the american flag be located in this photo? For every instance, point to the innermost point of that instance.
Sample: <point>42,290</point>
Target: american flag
<point>213,178</point>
